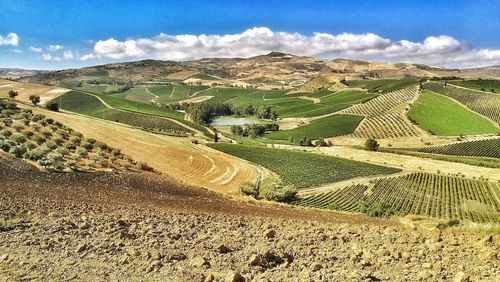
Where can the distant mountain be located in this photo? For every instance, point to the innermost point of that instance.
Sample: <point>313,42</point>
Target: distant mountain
<point>13,73</point>
<point>275,69</point>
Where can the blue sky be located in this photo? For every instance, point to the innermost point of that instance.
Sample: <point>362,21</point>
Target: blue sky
<point>470,29</point>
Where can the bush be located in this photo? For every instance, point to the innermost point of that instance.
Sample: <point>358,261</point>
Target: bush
<point>88,146</point>
<point>39,139</point>
<point>144,166</point>
<point>376,210</point>
<point>450,223</point>
<point>115,152</point>
<point>28,133</point>
<point>62,150</point>
<point>82,152</point>
<point>51,145</point>
<point>371,145</point>
<point>249,189</point>
<point>70,145</point>
<point>17,151</point>
<point>37,154</point>
<point>30,145</point>
<point>37,117</point>
<point>4,146</point>
<point>52,106</point>
<point>274,189</point>
<point>17,127</point>
<point>5,133</point>
<point>18,138</point>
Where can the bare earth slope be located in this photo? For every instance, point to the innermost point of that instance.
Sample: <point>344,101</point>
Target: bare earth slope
<point>106,226</point>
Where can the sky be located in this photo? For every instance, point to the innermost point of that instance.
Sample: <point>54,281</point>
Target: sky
<point>50,34</point>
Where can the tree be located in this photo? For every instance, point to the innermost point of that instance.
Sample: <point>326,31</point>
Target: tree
<point>237,130</point>
<point>13,94</point>
<point>249,110</point>
<point>35,99</point>
<point>216,137</point>
<point>371,145</point>
<point>53,106</point>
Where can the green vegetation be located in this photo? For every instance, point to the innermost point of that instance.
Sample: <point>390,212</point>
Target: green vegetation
<point>86,104</point>
<point>477,161</point>
<point>330,126</point>
<point>382,85</point>
<point>442,116</point>
<point>486,104</point>
<point>432,195</point>
<point>204,76</point>
<point>481,148</point>
<point>303,169</point>
<point>50,144</point>
<point>488,85</point>
<point>271,188</point>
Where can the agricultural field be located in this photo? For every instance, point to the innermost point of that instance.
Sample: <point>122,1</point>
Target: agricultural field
<point>384,103</point>
<point>303,169</point>
<point>442,116</point>
<point>389,125</point>
<point>432,195</point>
<point>334,125</point>
<point>173,93</point>
<point>50,144</point>
<point>382,85</point>
<point>487,85</point>
<point>86,104</point>
<point>486,104</point>
<point>489,148</point>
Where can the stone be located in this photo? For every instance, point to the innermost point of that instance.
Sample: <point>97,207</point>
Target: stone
<point>199,261</point>
<point>270,234</point>
<point>234,276</point>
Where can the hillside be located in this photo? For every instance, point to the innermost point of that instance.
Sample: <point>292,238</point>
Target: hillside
<point>272,70</point>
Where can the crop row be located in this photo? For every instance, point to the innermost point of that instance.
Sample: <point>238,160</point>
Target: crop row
<point>303,169</point>
<point>384,103</point>
<point>480,148</point>
<point>433,195</point>
<point>390,125</point>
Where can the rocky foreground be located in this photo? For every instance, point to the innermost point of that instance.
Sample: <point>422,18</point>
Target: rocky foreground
<point>101,226</point>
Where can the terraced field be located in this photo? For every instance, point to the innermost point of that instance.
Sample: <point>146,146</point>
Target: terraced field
<point>303,169</point>
<point>481,148</point>
<point>486,104</point>
<point>432,195</point>
<point>334,125</point>
<point>443,116</point>
<point>86,104</point>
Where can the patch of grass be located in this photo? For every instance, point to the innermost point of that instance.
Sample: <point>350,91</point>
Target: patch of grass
<point>382,85</point>
<point>303,169</point>
<point>489,85</point>
<point>443,116</point>
<point>334,125</point>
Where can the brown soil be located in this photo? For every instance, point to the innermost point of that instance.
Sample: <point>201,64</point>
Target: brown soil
<point>104,226</point>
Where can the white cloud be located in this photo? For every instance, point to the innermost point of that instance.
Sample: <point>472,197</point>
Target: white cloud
<point>435,50</point>
<point>53,48</point>
<point>17,51</point>
<point>68,55</point>
<point>88,57</point>
<point>35,49</point>
<point>11,39</point>
<point>49,57</point>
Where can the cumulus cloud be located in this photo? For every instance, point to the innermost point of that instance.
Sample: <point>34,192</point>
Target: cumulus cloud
<point>53,48</point>
<point>49,57</point>
<point>17,51</point>
<point>435,50</point>
<point>11,39</point>
<point>68,55</point>
<point>35,49</point>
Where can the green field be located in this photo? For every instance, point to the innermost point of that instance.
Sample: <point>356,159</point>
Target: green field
<point>443,116</point>
<point>86,104</point>
<point>433,195</point>
<point>382,85</point>
<point>330,126</point>
<point>482,85</point>
<point>303,169</point>
<point>481,148</point>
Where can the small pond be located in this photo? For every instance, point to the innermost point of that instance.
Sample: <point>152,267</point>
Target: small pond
<point>228,120</point>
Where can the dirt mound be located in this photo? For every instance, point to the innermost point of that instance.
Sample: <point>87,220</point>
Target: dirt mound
<point>104,226</point>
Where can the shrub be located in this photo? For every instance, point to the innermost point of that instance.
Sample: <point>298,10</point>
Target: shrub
<point>144,166</point>
<point>450,223</point>
<point>37,154</point>
<point>17,151</point>
<point>28,133</point>
<point>71,164</point>
<point>87,146</point>
<point>70,145</point>
<point>5,133</point>
<point>58,141</point>
<point>62,150</point>
<point>371,145</point>
<point>115,152</point>
<point>274,189</point>
<point>55,157</point>
<point>4,146</point>
<point>376,210</point>
<point>82,152</point>
<point>30,145</point>
<point>17,127</point>
<point>46,133</point>
<point>18,138</point>
<point>249,189</point>
<point>37,117</point>
<point>34,99</point>
<point>39,139</point>
<point>52,106</point>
